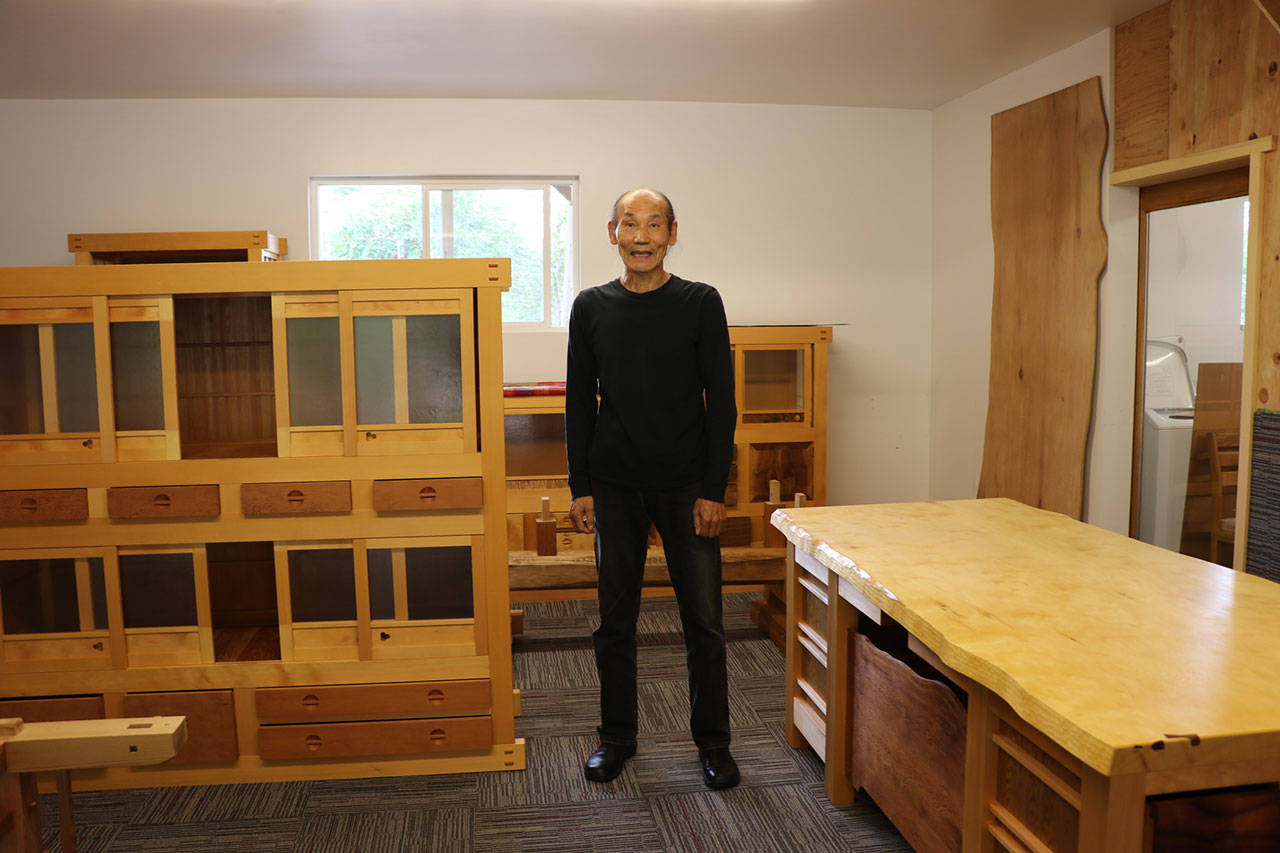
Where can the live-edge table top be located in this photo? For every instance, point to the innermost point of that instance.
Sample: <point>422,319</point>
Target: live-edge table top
<point>1116,649</point>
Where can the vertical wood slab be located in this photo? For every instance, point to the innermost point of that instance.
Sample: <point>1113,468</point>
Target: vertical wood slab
<point>1266,324</point>
<point>1050,249</point>
<point>1206,49</point>
<point>1142,89</point>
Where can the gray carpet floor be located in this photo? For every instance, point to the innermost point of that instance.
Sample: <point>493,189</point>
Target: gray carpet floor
<point>658,804</point>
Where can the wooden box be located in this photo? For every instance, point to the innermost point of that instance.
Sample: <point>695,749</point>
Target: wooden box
<point>164,502</point>
<point>383,737</point>
<point>44,505</point>
<point>295,498</point>
<point>441,493</point>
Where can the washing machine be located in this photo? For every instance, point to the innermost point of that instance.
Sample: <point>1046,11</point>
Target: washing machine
<point>1166,444</point>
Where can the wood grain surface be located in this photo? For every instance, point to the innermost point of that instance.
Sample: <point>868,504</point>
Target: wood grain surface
<point>1107,645</point>
<point>1050,248</point>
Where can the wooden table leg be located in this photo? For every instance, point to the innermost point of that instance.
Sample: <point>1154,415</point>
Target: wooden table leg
<point>66,817</point>
<point>841,620</point>
<point>1112,812</point>
<point>20,810</point>
<point>794,737</point>
<point>979,772</point>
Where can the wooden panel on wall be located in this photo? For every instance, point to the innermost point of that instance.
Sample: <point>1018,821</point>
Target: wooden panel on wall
<point>1142,89</point>
<point>1050,249</point>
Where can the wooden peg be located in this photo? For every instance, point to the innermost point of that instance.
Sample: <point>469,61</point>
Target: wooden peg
<point>775,492</point>
<point>773,537</point>
<point>546,530</point>
<point>10,726</point>
<point>800,499</point>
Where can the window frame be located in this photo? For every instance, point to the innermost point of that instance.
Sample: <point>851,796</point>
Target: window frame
<point>447,184</point>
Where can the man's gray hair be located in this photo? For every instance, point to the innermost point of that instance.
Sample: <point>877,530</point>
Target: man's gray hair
<point>671,211</point>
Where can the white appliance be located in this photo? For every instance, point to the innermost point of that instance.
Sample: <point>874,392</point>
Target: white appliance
<point>1166,444</point>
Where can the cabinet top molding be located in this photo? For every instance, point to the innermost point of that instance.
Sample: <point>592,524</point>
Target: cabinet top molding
<point>281,277</point>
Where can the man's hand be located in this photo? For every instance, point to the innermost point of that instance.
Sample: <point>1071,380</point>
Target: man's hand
<point>708,518</point>
<point>583,514</point>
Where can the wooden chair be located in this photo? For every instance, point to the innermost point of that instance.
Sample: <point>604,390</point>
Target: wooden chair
<point>1224,467</point>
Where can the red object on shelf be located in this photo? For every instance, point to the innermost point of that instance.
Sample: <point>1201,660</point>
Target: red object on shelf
<point>534,389</point>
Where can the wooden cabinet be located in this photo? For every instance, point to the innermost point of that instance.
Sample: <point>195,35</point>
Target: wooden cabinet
<point>227,481</point>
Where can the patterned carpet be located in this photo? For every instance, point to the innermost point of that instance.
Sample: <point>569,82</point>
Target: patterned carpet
<point>658,804</point>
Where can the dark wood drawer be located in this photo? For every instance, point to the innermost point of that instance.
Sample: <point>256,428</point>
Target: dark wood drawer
<point>357,701</point>
<point>295,498</point>
<point>211,722</point>
<point>385,737</point>
<point>164,502</point>
<point>53,708</point>
<point>44,505</point>
<point>443,493</point>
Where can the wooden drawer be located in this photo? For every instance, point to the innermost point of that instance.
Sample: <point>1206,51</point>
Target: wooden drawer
<point>356,701</point>
<point>53,709</point>
<point>211,722</point>
<point>295,498</point>
<point>44,505</point>
<point>385,737</point>
<point>446,493</point>
<point>908,747</point>
<point>164,502</point>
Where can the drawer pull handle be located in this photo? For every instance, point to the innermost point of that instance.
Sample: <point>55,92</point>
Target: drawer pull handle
<point>313,742</point>
<point>435,696</point>
<point>162,501</point>
<point>88,442</point>
<point>384,635</point>
<point>295,497</point>
<point>427,494</point>
<point>311,700</point>
<point>371,435</point>
<point>97,647</point>
<point>28,505</point>
<point>437,736</point>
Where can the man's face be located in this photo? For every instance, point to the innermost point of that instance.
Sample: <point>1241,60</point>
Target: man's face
<point>641,232</point>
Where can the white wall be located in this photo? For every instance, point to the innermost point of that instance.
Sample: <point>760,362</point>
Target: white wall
<point>963,264</point>
<point>797,214</point>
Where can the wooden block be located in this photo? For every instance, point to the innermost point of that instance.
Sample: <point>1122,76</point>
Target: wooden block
<point>736,532</point>
<point>87,744</point>
<point>164,502</point>
<point>10,726</point>
<point>441,493</point>
<point>24,505</point>
<point>773,537</point>
<point>517,621</point>
<point>366,701</point>
<point>295,498</point>
<point>211,722</point>
<point>384,737</point>
<point>545,532</point>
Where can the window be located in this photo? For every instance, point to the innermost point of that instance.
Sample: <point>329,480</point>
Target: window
<point>533,221</point>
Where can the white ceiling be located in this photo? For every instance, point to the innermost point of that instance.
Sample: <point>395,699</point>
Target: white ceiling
<point>891,53</point>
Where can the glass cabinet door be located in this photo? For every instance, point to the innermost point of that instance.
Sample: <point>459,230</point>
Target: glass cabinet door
<point>144,385</point>
<point>309,406</point>
<point>775,383</point>
<point>414,373</point>
<point>164,596</point>
<point>53,609</point>
<point>421,595</point>
<point>316,584</point>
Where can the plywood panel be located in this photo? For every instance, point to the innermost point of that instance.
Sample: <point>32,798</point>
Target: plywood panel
<point>1142,89</point>
<point>1050,248</point>
<point>1205,47</point>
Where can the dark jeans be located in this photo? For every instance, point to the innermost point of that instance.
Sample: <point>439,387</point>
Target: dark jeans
<point>622,529</point>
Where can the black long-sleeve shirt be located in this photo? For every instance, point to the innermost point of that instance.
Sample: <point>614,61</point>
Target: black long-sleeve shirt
<point>666,412</point>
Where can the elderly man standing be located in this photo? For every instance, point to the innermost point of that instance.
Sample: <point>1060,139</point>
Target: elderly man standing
<point>655,448</point>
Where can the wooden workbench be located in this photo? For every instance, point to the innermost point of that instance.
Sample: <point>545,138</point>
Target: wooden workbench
<point>1097,668</point>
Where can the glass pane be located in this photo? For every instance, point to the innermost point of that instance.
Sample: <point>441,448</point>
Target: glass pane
<point>439,582</point>
<point>434,349</point>
<point>382,593</point>
<point>159,590</point>
<point>774,380</point>
<point>322,585</point>
<point>77,377</point>
<point>561,253</point>
<point>39,596</point>
<point>375,371</point>
<point>136,378</point>
<point>535,445</point>
<point>97,595</point>
<point>436,202</point>
<point>315,371</point>
<point>22,400</point>
<point>505,223</point>
<point>369,221</point>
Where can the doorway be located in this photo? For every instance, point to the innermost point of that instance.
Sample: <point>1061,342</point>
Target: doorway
<point>1190,352</point>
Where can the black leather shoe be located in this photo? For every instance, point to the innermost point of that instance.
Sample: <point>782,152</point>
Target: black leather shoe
<point>606,762</point>
<point>719,770</point>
